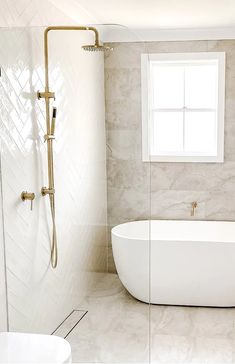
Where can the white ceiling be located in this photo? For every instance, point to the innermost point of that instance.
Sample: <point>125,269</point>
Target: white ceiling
<point>161,13</point>
<point>155,19</point>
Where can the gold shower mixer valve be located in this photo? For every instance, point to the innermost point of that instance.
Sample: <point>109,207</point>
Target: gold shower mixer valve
<point>28,196</point>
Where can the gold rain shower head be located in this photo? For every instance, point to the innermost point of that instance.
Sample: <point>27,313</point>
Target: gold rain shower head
<point>96,48</point>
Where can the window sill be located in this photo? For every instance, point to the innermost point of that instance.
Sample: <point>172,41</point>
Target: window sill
<point>184,159</point>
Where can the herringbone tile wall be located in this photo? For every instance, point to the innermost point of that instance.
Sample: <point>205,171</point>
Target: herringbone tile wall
<point>22,13</point>
<point>38,297</point>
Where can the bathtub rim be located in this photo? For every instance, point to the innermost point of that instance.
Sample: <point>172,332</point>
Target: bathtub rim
<point>114,231</point>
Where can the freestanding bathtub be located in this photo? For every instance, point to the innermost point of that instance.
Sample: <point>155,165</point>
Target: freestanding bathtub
<point>177,262</point>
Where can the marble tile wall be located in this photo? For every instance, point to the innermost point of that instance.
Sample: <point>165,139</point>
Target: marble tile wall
<point>138,190</point>
<point>77,77</point>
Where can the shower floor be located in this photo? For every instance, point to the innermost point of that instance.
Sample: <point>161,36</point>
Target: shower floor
<point>116,329</point>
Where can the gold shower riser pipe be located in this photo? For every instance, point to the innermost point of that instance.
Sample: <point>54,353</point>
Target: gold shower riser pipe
<point>46,56</point>
<point>47,95</point>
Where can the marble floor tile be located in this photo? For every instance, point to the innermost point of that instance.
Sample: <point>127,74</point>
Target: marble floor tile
<point>171,349</point>
<point>185,349</point>
<point>213,322</point>
<point>212,350</point>
<point>115,329</point>
<point>172,320</point>
<point>120,329</point>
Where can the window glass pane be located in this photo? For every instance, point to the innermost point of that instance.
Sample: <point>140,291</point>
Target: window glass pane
<point>200,132</point>
<point>167,133</point>
<point>201,86</point>
<point>168,86</point>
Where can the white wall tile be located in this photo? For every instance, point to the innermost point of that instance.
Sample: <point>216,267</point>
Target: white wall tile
<point>3,293</point>
<point>39,297</point>
<point>22,13</point>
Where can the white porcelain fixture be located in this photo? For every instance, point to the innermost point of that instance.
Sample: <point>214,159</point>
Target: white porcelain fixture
<point>177,262</point>
<point>33,348</point>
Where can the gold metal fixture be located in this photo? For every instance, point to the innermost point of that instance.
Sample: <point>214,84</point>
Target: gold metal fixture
<point>193,208</point>
<point>96,47</point>
<point>47,95</point>
<point>28,196</point>
<point>48,137</point>
<point>47,191</point>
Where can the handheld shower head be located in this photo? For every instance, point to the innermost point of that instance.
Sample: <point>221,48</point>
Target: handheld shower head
<point>96,48</point>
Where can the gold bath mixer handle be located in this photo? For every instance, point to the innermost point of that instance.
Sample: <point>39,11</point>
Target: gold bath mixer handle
<point>28,196</point>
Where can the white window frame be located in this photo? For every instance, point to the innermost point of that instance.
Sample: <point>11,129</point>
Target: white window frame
<point>147,108</point>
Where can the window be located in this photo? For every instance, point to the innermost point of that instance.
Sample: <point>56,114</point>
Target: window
<point>183,107</point>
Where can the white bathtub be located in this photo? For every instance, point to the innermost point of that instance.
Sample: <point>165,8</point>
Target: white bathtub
<point>177,262</point>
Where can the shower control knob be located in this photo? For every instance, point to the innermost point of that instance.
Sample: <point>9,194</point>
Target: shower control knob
<point>28,196</point>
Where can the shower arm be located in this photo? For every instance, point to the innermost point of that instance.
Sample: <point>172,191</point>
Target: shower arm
<point>47,95</point>
<point>46,55</point>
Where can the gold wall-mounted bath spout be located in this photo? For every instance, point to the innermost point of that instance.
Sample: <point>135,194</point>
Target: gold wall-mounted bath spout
<point>50,124</point>
<point>194,205</point>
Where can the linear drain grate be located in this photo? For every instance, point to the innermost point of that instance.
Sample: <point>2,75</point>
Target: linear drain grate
<point>69,323</point>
